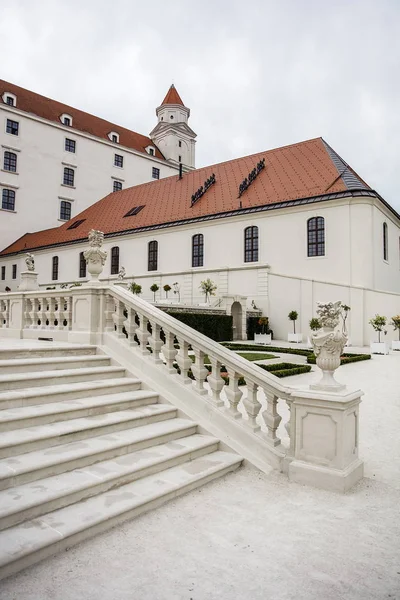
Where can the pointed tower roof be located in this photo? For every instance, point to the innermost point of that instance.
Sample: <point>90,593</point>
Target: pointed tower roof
<point>172,97</point>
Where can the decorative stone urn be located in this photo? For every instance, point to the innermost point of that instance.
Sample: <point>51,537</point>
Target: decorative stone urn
<point>328,343</point>
<point>95,257</point>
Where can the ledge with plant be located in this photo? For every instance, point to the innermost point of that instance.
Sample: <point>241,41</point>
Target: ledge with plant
<point>395,323</point>
<point>294,337</point>
<point>378,323</point>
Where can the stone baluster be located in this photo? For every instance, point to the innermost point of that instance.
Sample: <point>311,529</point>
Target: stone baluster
<point>215,381</point>
<point>34,315</point>
<point>69,312</point>
<point>51,312</point>
<point>252,406</point>
<point>27,324</point>
<point>233,393</point>
<point>130,326</point>
<point>155,342</point>
<point>271,419</point>
<point>119,318</point>
<point>183,360</point>
<point>169,351</point>
<point>60,312</point>
<point>43,312</point>
<point>4,313</point>
<point>288,426</point>
<point>199,371</point>
<point>109,311</point>
<point>143,334</point>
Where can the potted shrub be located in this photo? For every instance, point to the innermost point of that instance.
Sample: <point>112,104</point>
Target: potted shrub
<point>378,323</point>
<point>396,326</point>
<point>167,288</point>
<point>294,337</point>
<point>263,337</point>
<point>154,288</point>
<point>208,288</point>
<point>135,288</point>
<point>315,324</point>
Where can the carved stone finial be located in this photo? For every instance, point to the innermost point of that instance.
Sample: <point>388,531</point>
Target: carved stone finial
<point>30,262</point>
<point>121,273</point>
<point>94,256</point>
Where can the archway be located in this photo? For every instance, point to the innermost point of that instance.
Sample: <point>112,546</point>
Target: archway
<point>236,311</point>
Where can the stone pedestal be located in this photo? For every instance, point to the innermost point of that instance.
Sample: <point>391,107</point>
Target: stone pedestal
<point>326,439</point>
<point>29,281</point>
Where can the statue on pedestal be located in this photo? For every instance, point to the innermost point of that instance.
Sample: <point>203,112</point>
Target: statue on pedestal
<point>95,257</point>
<point>30,262</point>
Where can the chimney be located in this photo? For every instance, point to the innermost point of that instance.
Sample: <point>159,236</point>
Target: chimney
<point>180,170</point>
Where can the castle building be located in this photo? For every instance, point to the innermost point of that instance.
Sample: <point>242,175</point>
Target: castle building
<point>57,160</point>
<point>281,230</point>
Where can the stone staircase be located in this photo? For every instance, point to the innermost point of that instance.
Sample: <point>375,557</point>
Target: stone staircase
<point>83,447</point>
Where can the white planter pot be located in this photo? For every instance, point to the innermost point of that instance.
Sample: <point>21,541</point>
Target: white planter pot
<point>396,345</point>
<point>262,338</point>
<point>379,348</point>
<point>295,337</point>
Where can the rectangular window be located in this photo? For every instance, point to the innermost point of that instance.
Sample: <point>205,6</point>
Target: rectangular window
<point>134,211</point>
<point>14,271</point>
<point>114,260</point>
<point>54,268</point>
<point>70,145</point>
<point>82,265</point>
<point>180,158</point>
<point>114,139</point>
<point>180,144</point>
<point>10,100</point>
<point>3,273</point>
<point>67,121</point>
<point>65,210</point>
<point>12,127</point>
<point>156,173</point>
<point>152,256</point>
<point>8,200</point>
<point>117,186</point>
<point>10,161</point>
<point>197,250</point>
<point>69,176</point>
<point>118,160</point>
<point>76,224</point>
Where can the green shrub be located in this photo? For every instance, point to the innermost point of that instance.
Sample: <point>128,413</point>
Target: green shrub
<point>344,359</point>
<point>236,347</point>
<point>216,327</point>
<point>286,369</point>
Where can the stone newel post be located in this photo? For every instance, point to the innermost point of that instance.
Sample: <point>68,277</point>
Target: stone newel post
<point>29,278</point>
<point>95,257</point>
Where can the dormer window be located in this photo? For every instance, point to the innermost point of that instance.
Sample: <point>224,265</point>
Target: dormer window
<point>113,136</point>
<point>10,99</point>
<point>151,150</point>
<point>66,120</point>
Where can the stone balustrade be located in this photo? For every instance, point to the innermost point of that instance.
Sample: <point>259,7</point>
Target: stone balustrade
<point>322,426</point>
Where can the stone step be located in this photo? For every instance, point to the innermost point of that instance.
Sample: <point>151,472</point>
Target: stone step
<point>66,391</point>
<point>32,466</point>
<point>30,439</point>
<point>49,350</point>
<point>31,500</point>
<point>29,365</point>
<point>34,540</point>
<point>43,414</point>
<point>21,380</point>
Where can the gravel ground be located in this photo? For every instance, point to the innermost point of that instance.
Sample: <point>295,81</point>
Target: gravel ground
<point>253,535</point>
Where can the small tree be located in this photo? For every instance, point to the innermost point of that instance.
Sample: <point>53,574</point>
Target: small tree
<point>166,288</point>
<point>154,288</point>
<point>135,288</point>
<point>378,323</point>
<point>208,288</point>
<point>293,316</point>
<point>345,313</point>
<point>395,323</point>
<point>315,324</point>
<point>263,323</point>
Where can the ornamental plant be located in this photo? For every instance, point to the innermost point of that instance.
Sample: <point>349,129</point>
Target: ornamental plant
<point>154,288</point>
<point>345,313</point>
<point>263,323</point>
<point>315,324</point>
<point>293,316</point>
<point>135,288</point>
<point>208,288</point>
<point>167,288</point>
<point>395,323</point>
<point>378,323</point>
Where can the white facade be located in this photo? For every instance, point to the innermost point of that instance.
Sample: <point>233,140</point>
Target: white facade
<point>283,278</point>
<point>41,158</point>
<point>173,135</point>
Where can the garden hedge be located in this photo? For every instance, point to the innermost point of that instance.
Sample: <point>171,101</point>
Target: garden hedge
<point>286,369</point>
<point>346,357</point>
<point>216,327</point>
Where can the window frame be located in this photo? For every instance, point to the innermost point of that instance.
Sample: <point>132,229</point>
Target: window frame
<point>251,250</point>
<point>14,272</point>
<point>12,161</point>
<point>155,173</point>
<point>12,125</point>
<point>8,199</point>
<point>314,227</point>
<point>385,241</point>
<point>114,270</point>
<point>63,206</point>
<point>3,272</point>
<point>67,177</point>
<point>69,142</point>
<point>197,250</point>
<point>152,255</point>
<point>118,158</point>
<point>118,184</point>
<point>54,268</point>
<point>82,266</point>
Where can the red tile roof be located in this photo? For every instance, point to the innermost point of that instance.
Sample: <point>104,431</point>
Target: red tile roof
<point>302,170</point>
<point>51,110</point>
<point>172,97</point>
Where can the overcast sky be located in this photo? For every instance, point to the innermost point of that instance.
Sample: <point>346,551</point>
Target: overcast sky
<point>256,75</point>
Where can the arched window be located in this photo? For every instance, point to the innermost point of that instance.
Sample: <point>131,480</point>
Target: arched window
<point>10,161</point>
<point>82,265</point>
<point>316,236</point>
<point>54,269</point>
<point>197,250</point>
<point>152,257</point>
<point>251,244</point>
<point>114,260</point>
<point>385,241</point>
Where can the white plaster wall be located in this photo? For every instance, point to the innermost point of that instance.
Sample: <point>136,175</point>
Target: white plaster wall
<point>386,273</point>
<point>41,162</point>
